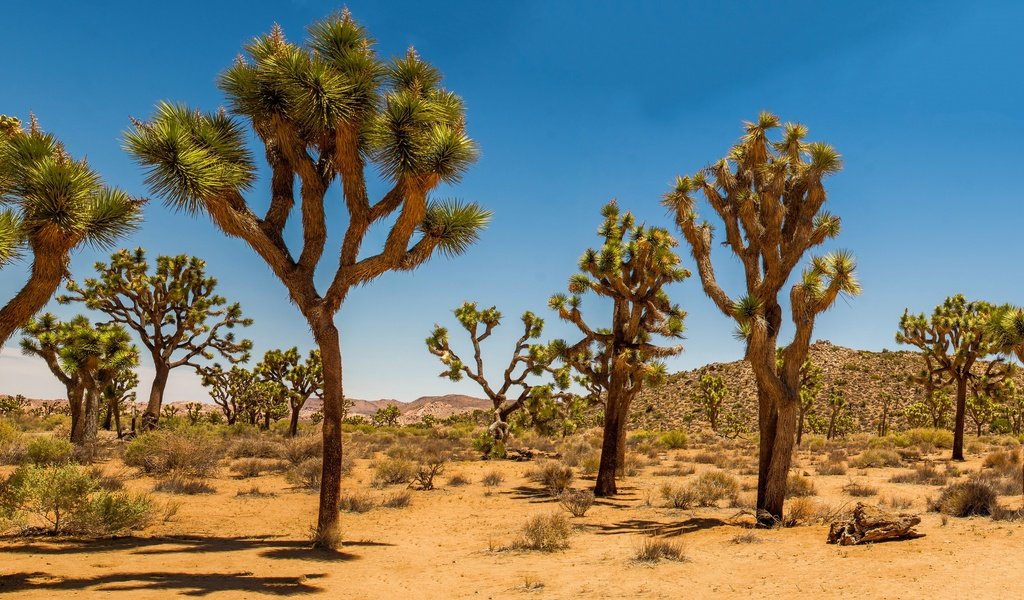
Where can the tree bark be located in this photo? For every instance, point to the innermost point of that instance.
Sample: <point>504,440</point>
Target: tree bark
<point>293,426</point>
<point>47,272</point>
<point>75,405</point>
<point>326,335</point>
<point>90,422</point>
<point>156,397</point>
<point>614,426</point>
<point>961,413</point>
<point>781,457</point>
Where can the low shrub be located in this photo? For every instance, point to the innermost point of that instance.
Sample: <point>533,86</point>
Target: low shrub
<point>553,476</point>
<point>492,479</point>
<point>678,496</point>
<point>255,446</point>
<point>358,502</point>
<point>189,453</point>
<point>392,471</point>
<point>712,486</point>
<point>831,468</point>
<point>798,487</point>
<point>577,502</point>
<point>966,499</point>
<point>254,467</point>
<point>545,533</point>
<point>921,475</point>
<point>939,438</point>
<point>397,500</point>
<point>651,550</point>
<point>254,492</point>
<point>673,440</point>
<point>877,458</point>
<point>306,475</point>
<point>300,448</point>
<point>860,490</point>
<point>458,480</point>
<point>46,450</point>
<point>180,484</point>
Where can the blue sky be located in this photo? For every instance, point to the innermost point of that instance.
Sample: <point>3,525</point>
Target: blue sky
<point>573,104</point>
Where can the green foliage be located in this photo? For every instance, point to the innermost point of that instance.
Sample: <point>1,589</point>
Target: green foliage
<point>710,396</point>
<point>876,458</point>
<point>45,450</point>
<point>487,446</point>
<point>12,404</point>
<point>68,499</point>
<point>673,440</point>
<point>392,471</point>
<point>294,380</point>
<point>189,453</point>
<point>387,416</point>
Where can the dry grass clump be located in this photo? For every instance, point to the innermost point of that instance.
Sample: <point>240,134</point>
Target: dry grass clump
<point>246,468</point>
<point>898,502</point>
<point>675,471</point>
<point>746,538</point>
<point>306,475</point>
<point>254,492</point>
<point>301,448</point>
<point>859,490</point>
<point>162,452</point>
<point>705,458</point>
<point>357,502</point>
<point>577,502</point>
<point>492,479</point>
<point>799,486</point>
<point>555,477</point>
<point>392,471</point>
<point>397,500</point>
<point>965,499</point>
<point>712,486</point>
<point>877,458</point>
<point>831,468</point>
<point>577,451</point>
<point>181,484</point>
<point>255,446</point>
<point>922,475</point>
<point>458,480</point>
<point>652,550</point>
<point>545,533</point>
<point>678,496</point>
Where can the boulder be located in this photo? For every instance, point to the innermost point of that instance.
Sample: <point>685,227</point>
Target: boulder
<point>871,524</point>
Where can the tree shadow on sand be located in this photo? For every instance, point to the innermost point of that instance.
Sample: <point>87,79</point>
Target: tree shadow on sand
<point>658,528</point>
<point>186,584</point>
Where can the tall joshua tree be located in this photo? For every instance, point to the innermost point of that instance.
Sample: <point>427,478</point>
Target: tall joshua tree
<point>87,359</point>
<point>528,358</point>
<point>952,341</point>
<point>295,379</point>
<point>770,197</point>
<point>326,110</point>
<point>50,204</point>
<point>174,310</point>
<point>632,268</point>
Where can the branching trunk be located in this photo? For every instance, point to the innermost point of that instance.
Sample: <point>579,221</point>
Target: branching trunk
<point>47,272</point>
<point>156,398</point>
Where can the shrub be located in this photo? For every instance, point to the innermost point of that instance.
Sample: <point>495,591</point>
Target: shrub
<point>358,502</point>
<point>47,450</point>
<point>940,438</point>
<point>899,503</point>
<point>800,511</point>
<point>488,447</point>
<point>392,471</point>
<point>253,467</point>
<point>188,453</point>
<point>493,479</point>
<point>254,492</point>
<point>746,538</point>
<point>799,487</point>
<point>1002,461</point>
<point>577,502</point>
<point>673,440</point>
<point>179,484</point>
<point>67,499</point>
<point>965,499</point>
<point>651,550</point>
<point>10,438</point>
<point>859,490</point>
<point>712,486</point>
<point>255,446</point>
<point>678,496</point>
<point>876,458</point>
<point>546,533</point>
<point>922,475</point>
<point>706,458</point>
<point>300,448</point>
<point>397,500</point>
<point>590,465</point>
<point>831,468</point>
<point>458,480</point>
<point>306,475</point>
<point>554,476</point>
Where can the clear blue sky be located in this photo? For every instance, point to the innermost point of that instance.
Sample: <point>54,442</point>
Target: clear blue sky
<point>573,104</point>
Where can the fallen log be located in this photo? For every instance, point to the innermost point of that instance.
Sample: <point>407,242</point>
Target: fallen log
<point>871,524</point>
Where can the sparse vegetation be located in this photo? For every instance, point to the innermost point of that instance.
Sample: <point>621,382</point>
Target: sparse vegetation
<point>653,549</point>
<point>966,499</point>
<point>545,533</point>
<point>577,502</point>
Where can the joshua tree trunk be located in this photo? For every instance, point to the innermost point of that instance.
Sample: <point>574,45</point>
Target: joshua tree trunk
<point>90,422</point>
<point>75,405</point>
<point>326,335</point>
<point>156,397</point>
<point>800,426</point>
<point>293,426</point>
<point>961,413</point>
<point>613,444</point>
<point>117,420</point>
<point>109,415</point>
<point>47,271</point>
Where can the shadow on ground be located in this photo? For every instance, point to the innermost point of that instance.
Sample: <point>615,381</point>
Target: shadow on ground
<point>658,528</point>
<point>186,584</point>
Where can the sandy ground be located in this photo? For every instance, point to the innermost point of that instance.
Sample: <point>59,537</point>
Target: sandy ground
<point>448,544</point>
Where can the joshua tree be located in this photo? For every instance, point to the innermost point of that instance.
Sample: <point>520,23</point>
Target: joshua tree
<point>810,385</point>
<point>952,341</point>
<point>1006,327</point>
<point>13,404</point>
<point>324,111</point>
<point>173,310</point>
<point>515,392</point>
<point>387,416</point>
<point>194,412</point>
<point>227,387</point>
<point>631,268</point>
<point>711,394</point>
<point>887,400</point>
<point>770,197</point>
<point>117,396</point>
<point>50,204</point>
<point>87,359</point>
<point>838,420</point>
<point>296,380</point>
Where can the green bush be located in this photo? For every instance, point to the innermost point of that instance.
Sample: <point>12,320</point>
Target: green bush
<point>940,438</point>
<point>488,447</point>
<point>10,441</point>
<point>68,499</point>
<point>300,448</point>
<point>673,440</point>
<point>48,450</point>
<point>186,452</point>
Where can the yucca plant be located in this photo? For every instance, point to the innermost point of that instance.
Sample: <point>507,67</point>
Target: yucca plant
<point>324,111</point>
<point>91,361</point>
<point>631,268</point>
<point>770,197</point>
<point>50,204</point>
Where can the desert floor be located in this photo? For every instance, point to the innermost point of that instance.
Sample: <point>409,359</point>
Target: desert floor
<point>450,543</point>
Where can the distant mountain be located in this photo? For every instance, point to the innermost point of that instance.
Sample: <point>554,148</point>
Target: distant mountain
<point>438,406</point>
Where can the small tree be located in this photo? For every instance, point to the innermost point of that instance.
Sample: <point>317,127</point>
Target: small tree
<point>13,404</point>
<point>228,389</point>
<point>887,401</point>
<point>387,416</point>
<point>118,395</point>
<point>951,342</point>
<point>838,412</point>
<point>325,111</point>
<point>297,380</point>
<point>770,197</point>
<point>194,412</point>
<point>632,268</point>
<point>710,396</point>
<point>86,359</point>
<point>810,385</point>
<point>173,310</point>
<point>515,391</point>
<point>50,205</point>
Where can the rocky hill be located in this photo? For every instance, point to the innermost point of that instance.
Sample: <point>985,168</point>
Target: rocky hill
<point>438,406</point>
<point>864,376</point>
